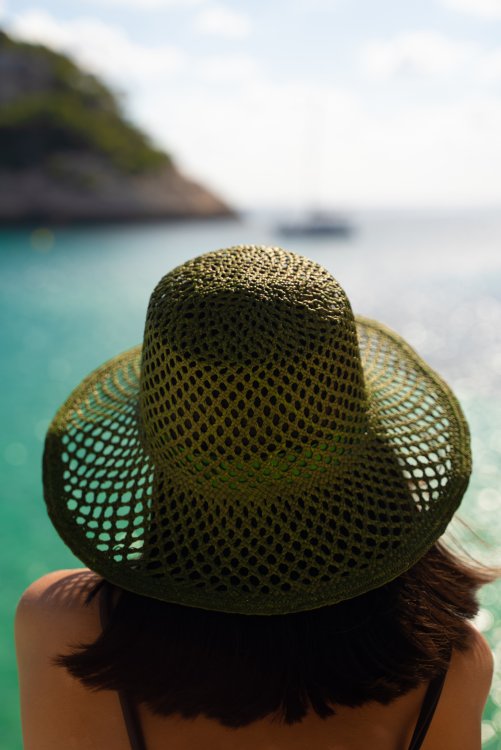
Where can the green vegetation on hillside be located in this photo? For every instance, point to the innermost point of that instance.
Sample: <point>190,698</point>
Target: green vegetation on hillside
<point>64,110</point>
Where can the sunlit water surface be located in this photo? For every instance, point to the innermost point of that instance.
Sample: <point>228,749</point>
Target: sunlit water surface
<point>75,297</point>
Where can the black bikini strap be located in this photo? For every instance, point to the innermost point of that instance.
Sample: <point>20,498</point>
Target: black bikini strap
<point>427,712</point>
<point>129,709</point>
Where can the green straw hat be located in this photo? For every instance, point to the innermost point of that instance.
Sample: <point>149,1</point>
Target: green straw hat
<point>263,452</point>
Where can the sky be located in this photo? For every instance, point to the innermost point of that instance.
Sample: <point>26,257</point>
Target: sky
<point>301,103</point>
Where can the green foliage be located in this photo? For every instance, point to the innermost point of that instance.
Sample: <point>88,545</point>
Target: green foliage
<point>74,111</point>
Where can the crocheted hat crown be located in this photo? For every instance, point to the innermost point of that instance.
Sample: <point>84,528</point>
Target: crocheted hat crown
<point>264,452</point>
<point>223,377</point>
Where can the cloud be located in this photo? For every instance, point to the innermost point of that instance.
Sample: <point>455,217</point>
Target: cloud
<point>489,66</point>
<point>221,21</point>
<point>147,4</point>
<point>432,55</point>
<point>263,141</point>
<point>426,53</point>
<point>227,68</point>
<point>103,48</point>
<point>481,8</point>
<point>269,144</point>
<point>310,6</point>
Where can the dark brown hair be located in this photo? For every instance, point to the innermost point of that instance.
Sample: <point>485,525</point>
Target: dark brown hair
<point>239,668</point>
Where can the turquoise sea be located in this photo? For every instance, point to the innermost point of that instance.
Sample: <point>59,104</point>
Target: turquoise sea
<point>73,297</point>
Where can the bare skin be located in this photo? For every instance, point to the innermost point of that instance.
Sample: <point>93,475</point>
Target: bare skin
<point>58,713</point>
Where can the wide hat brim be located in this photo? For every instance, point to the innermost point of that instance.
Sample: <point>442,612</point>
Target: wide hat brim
<point>335,533</point>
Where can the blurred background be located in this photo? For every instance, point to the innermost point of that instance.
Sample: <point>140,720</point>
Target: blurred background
<point>135,134</point>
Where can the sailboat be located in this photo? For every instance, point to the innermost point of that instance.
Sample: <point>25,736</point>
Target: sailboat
<point>317,223</point>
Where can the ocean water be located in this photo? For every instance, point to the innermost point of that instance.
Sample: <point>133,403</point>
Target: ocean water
<point>73,297</point>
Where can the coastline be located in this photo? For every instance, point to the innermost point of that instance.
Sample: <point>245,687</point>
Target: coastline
<point>86,189</point>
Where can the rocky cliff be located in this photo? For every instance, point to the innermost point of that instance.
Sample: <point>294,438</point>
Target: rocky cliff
<point>67,153</point>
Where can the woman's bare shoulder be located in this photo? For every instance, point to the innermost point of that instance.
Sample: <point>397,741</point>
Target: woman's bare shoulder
<point>474,665</point>
<point>457,720</point>
<point>54,617</point>
<point>76,579</point>
<point>57,604</point>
